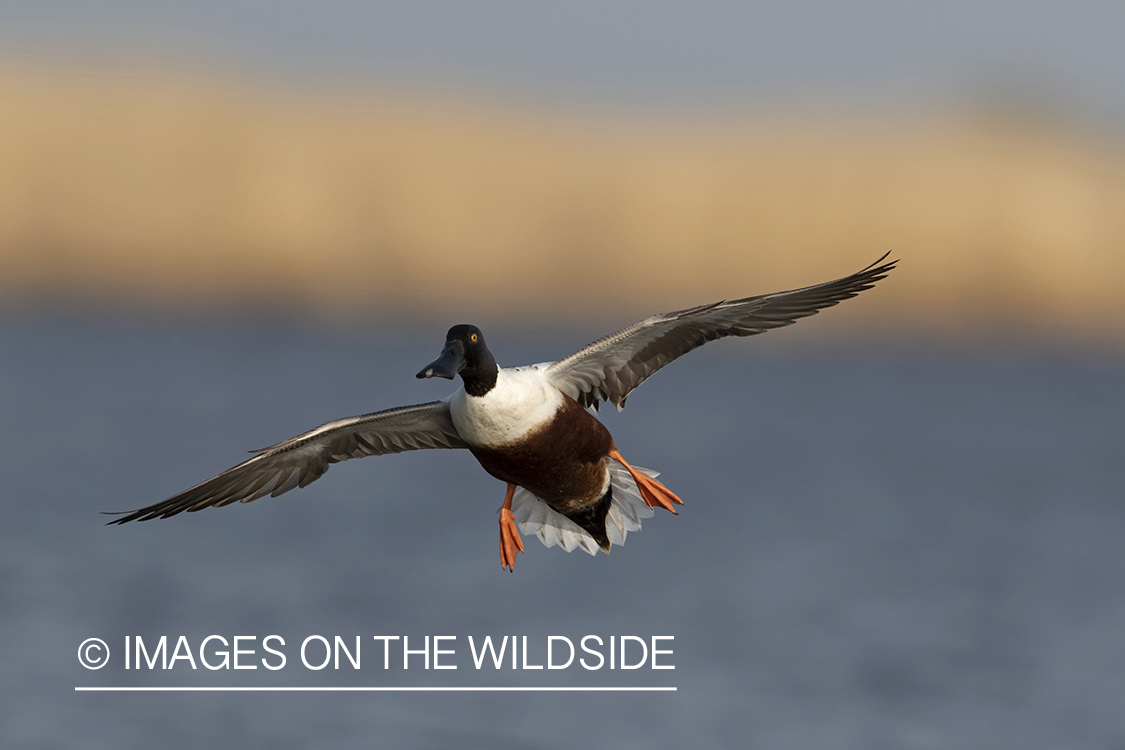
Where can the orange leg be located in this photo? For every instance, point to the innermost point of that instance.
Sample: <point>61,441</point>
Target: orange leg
<point>653,492</point>
<point>510,542</point>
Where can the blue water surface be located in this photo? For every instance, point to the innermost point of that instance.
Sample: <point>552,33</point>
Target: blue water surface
<point>883,545</point>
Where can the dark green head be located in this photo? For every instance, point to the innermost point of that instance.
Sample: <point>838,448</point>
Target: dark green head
<point>466,354</point>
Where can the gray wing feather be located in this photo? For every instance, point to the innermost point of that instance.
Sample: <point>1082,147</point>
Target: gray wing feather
<point>610,368</point>
<point>303,459</point>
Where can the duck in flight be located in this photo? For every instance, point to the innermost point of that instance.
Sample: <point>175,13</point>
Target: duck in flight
<point>531,427</point>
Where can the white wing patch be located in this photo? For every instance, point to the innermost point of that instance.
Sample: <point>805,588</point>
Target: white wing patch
<point>625,513</point>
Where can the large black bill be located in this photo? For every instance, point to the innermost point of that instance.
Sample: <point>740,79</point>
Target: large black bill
<point>451,362</point>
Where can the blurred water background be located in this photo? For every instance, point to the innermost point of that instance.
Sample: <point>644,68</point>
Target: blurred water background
<point>883,545</point>
<point>222,226</point>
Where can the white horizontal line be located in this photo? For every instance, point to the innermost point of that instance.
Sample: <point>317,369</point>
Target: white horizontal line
<point>298,689</point>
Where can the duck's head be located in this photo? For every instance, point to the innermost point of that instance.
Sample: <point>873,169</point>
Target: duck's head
<point>465,353</point>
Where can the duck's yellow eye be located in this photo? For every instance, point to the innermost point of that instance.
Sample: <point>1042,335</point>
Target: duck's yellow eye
<point>473,338</point>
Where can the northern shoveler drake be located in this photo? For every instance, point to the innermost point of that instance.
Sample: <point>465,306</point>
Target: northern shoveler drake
<point>531,427</point>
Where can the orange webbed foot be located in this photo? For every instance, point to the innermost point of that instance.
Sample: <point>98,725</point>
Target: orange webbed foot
<point>510,542</point>
<point>652,491</point>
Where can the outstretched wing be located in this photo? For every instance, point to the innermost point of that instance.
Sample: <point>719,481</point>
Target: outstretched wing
<point>303,459</point>
<point>610,368</point>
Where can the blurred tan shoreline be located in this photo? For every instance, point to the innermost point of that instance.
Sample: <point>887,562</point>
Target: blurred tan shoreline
<point>161,190</point>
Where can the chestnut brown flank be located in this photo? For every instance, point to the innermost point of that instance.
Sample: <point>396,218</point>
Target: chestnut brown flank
<point>563,463</point>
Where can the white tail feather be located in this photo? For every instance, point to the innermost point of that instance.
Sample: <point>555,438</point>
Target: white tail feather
<point>625,513</point>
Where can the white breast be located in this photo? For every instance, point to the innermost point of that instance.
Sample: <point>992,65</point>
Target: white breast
<point>521,401</point>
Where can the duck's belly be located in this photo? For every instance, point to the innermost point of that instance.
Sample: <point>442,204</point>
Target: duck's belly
<point>563,462</point>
